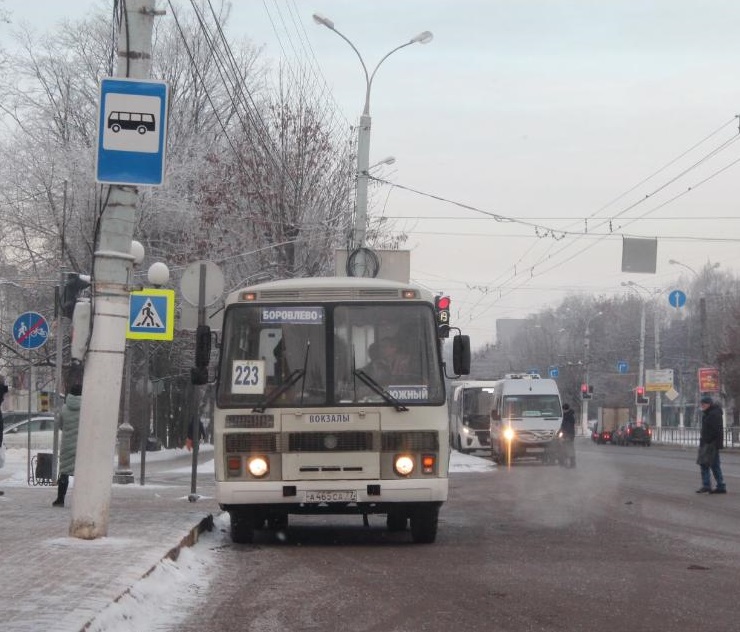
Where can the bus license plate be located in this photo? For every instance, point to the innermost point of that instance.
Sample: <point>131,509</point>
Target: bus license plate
<point>535,449</point>
<point>335,496</point>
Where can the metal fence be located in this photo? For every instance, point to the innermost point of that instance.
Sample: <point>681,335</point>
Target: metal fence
<point>690,436</point>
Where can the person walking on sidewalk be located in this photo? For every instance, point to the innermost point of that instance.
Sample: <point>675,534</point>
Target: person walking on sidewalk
<point>568,430</point>
<point>70,422</point>
<point>710,443</point>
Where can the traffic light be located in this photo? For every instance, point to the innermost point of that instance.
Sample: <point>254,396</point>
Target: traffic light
<point>199,375</point>
<point>442,308</point>
<point>640,397</point>
<point>586,391</point>
<point>202,345</point>
<point>80,329</point>
<point>73,286</point>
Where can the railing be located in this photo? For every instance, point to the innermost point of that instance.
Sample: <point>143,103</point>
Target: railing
<point>690,436</point>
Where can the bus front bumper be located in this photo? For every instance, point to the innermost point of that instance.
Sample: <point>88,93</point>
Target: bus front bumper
<point>325,494</point>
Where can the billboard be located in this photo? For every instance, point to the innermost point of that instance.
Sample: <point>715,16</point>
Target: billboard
<point>708,380</point>
<point>660,380</point>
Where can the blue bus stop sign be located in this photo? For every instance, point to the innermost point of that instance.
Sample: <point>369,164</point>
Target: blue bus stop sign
<point>677,298</point>
<point>554,372</point>
<point>622,366</point>
<point>30,330</point>
<point>132,125</point>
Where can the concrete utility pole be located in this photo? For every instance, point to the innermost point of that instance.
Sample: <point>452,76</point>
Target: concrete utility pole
<point>658,394</point>
<point>641,369</point>
<point>105,358</point>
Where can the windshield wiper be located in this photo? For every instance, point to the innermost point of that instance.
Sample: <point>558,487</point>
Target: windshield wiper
<point>296,375</point>
<point>305,368</point>
<point>368,381</point>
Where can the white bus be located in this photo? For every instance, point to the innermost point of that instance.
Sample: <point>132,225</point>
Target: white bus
<point>470,405</point>
<point>310,420</point>
<point>525,418</point>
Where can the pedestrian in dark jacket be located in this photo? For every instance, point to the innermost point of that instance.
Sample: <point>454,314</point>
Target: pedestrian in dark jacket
<point>70,419</point>
<point>3,390</point>
<point>568,430</point>
<point>711,441</point>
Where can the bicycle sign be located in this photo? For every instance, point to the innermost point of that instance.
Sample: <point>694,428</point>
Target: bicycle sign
<point>30,330</point>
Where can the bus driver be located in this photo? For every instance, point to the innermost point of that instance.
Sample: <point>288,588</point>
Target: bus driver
<point>387,361</point>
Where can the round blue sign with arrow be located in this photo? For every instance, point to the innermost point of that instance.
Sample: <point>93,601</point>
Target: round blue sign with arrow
<point>677,298</point>
<point>30,330</point>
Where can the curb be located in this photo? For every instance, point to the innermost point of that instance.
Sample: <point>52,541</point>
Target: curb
<point>188,540</point>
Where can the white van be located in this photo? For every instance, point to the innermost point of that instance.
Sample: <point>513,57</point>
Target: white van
<point>470,404</point>
<point>526,414</point>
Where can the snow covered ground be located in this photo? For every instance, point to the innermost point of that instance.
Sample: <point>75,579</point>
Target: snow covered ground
<point>168,595</point>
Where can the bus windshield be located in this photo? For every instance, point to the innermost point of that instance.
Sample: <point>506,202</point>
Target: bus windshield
<point>320,355</point>
<point>531,406</point>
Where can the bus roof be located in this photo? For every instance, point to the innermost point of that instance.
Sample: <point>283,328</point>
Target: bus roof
<point>329,289</point>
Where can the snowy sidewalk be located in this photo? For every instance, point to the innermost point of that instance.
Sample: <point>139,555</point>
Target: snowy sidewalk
<point>54,582</point>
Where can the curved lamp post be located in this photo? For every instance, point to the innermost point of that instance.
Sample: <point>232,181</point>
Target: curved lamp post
<point>702,306</point>
<point>363,133</point>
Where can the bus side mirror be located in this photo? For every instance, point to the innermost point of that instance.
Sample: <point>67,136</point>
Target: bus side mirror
<point>461,355</point>
<point>495,416</point>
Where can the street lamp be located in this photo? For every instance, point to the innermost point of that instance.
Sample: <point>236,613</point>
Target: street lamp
<point>674,262</point>
<point>363,133</point>
<point>586,350</point>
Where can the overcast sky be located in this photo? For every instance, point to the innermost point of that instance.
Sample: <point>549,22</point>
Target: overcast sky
<point>543,111</point>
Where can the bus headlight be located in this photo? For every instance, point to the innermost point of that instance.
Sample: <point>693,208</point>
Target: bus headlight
<point>509,434</point>
<point>404,465</point>
<point>258,466</point>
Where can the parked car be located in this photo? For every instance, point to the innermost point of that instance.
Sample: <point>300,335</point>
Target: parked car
<point>638,433</point>
<point>42,433</point>
<point>618,435</point>
<point>605,436</point>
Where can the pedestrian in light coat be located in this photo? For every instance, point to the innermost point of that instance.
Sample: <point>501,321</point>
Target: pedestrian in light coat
<point>70,423</point>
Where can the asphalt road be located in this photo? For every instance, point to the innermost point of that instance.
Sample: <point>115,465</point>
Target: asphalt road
<point>620,543</point>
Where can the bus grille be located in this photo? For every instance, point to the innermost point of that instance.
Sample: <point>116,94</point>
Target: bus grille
<point>251,443</point>
<point>413,441</point>
<point>422,441</point>
<point>330,441</point>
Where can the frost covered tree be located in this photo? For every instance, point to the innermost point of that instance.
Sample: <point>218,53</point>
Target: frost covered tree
<point>258,178</point>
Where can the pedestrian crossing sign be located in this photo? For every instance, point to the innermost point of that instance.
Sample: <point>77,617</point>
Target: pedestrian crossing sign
<point>151,315</point>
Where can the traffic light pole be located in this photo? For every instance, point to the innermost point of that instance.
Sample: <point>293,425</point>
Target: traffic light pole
<point>658,396</point>
<point>59,318</point>
<point>105,357</point>
<point>584,395</point>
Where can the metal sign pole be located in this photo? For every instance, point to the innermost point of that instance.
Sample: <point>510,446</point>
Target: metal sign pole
<point>196,400</point>
<point>28,425</point>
